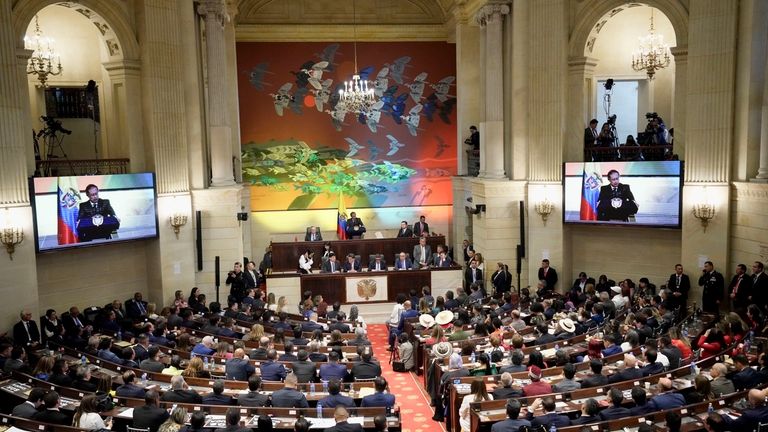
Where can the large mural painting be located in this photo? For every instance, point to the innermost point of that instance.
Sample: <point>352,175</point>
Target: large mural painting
<point>302,151</point>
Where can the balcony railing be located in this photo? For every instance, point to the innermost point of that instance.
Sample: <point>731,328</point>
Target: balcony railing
<point>67,167</point>
<point>628,153</point>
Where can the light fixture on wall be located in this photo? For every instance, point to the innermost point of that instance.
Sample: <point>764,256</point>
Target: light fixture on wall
<point>10,238</point>
<point>357,96</point>
<point>704,212</point>
<point>652,53</point>
<point>177,221</point>
<point>41,63</point>
<point>544,209</point>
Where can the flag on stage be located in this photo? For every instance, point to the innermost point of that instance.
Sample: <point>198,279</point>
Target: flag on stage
<point>341,220</point>
<point>590,191</point>
<point>69,207</point>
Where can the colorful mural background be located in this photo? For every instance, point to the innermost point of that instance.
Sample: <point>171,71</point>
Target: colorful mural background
<point>298,153</point>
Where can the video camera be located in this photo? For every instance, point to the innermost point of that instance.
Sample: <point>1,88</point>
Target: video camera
<point>612,120</point>
<point>651,116</point>
<point>54,125</point>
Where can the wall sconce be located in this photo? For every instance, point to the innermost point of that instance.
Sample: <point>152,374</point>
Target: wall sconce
<point>544,209</point>
<point>11,237</point>
<point>704,212</point>
<point>177,221</point>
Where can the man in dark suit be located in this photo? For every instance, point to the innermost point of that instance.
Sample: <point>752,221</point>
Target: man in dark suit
<point>237,368</point>
<point>313,234</point>
<point>513,422</point>
<point>616,201</point>
<point>26,332</point>
<point>332,265</point>
<point>152,363</point>
<point>550,417</point>
<point>180,392</point>
<point>233,422</point>
<point>355,226</point>
<point>759,286</point>
<point>251,275</point>
<point>366,368</point>
<point>640,398</point>
<point>630,371</point>
<point>333,369</point>
<point>712,284</point>
<point>404,231</point>
<point>749,419</point>
<point>597,379</point>
<point>590,134</point>
<point>341,415</point>
<point>615,411</point>
<point>548,274</point>
<point>129,389</point>
<point>740,289</point>
<point>334,399</point>
<point>303,368</point>
<point>236,282</point>
<point>421,228</point>
<point>679,283</point>
<point>31,406</point>
<point>352,265</point>
<point>253,398</point>
<point>150,415</point>
<point>667,398</point>
<point>542,335</point>
<point>77,329</point>
<point>217,396</point>
<point>473,275</point>
<point>340,325</point>
<point>377,264</point>
<point>379,399</point>
<point>288,396</point>
<point>652,366</point>
<point>271,370</point>
<point>442,259</point>
<point>403,262</point>
<point>288,353</point>
<point>590,411</point>
<point>136,307</point>
<point>51,413</point>
<point>745,377</point>
<point>94,206</point>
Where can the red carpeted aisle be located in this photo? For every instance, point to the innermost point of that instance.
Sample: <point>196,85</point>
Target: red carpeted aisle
<point>409,394</point>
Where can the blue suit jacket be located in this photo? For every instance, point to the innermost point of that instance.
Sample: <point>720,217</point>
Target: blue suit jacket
<point>201,349</point>
<point>615,349</point>
<point>614,412</point>
<point>238,369</point>
<point>652,369</point>
<point>130,390</point>
<point>667,401</point>
<point>332,370</point>
<point>549,419</point>
<point>399,265</point>
<point>333,401</point>
<point>110,356</point>
<point>746,379</point>
<point>272,371</point>
<point>509,425</point>
<point>378,400</point>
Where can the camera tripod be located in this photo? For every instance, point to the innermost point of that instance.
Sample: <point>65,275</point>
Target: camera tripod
<point>54,148</point>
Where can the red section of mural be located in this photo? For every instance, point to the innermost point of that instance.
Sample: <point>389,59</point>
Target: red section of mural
<point>302,160</point>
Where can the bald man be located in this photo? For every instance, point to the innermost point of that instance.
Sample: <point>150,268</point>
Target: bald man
<point>668,398</point>
<point>749,419</point>
<point>341,415</point>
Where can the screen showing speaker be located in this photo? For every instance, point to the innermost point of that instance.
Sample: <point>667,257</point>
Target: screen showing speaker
<point>77,211</point>
<point>623,193</point>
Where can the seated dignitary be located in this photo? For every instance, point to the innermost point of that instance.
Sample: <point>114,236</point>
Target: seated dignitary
<point>333,369</point>
<point>403,262</point>
<point>750,418</point>
<point>720,384</point>
<point>150,415</point>
<point>233,422</point>
<point>289,396</point>
<point>271,370</point>
<point>304,369</point>
<point>51,413</point>
<point>550,417</point>
<point>180,392</point>
<point>332,265</point>
<point>668,399</point>
<point>378,263</point>
<point>366,368</point>
<point>513,423</point>
<point>341,415</point>
<point>129,389</point>
<point>596,379</point>
<point>32,405</point>
<point>238,368</point>
<point>404,231</point>
<point>254,398</point>
<point>352,265</point>
<point>334,399</point>
<point>217,396</point>
<point>379,398</point>
<point>615,410</point>
<point>505,390</point>
<point>629,372</point>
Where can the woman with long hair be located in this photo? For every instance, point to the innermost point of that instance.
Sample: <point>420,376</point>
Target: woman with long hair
<point>485,366</point>
<point>478,393</point>
<point>183,342</point>
<point>535,358</point>
<point>680,341</point>
<point>224,350</point>
<point>712,342</point>
<point>44,368</point>
<point>282,303</point>
<point>256,332</point>
<point>192,299</point>
<point>702,390</point>
<point>336,339</point>
<point>271,303</point>
<point>175,421</point>
<point>437,335</point>
<point>195,369</point>
<point>87,415</point>
<point>594,350</point>
<point>178,300</point>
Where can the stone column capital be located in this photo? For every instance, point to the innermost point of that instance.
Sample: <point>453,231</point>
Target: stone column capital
<point>679,53</point>
<point>491,12</point>
<point>232,9</point>
<point>213,10</point>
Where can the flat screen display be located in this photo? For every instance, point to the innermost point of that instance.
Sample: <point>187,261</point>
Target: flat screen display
<point>77,211</point>
<point>623,193</point>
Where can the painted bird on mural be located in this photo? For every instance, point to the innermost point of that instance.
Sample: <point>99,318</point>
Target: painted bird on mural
<point>256,76</point>
<point>394,145</point>
<point>315,74</point>
<point>442,88</point>
<point>441,146</point>
<point>282,98</point>
<point>413,118</point>
<point>354,147</point>
<point>417,87</point>
<point>328,54</point>
<point>397,68</point>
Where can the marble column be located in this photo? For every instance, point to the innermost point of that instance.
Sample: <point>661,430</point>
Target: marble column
<point>681,87</point>
<point>215,15</point>
<point>518,93</point>
<point>492,128</point>
<point>126,134</point>
<point>580,90</point>
<point>233,98</point>
<point>762,171</point>
<point>467,79</point>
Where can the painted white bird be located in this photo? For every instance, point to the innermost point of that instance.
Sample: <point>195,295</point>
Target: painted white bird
<point>354,147</point>
<point>381,83</point>
<point>394,145</point>
<point>374,115</point>
<point>442,88</point>
<point>282,98</point>
<point>417,87</point>
<point>413,118</point>
<point>316,74</point>
<point>322,95</point>
<point>397,68</point>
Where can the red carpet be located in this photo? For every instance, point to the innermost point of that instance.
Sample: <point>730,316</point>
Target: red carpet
<point>410,396</point>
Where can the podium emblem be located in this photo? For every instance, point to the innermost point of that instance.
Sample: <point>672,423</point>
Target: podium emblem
<point>366,288</point>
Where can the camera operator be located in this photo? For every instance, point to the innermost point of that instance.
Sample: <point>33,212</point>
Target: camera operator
<point>656,131</point>
<point>474,138</point>
<point>236,279</point>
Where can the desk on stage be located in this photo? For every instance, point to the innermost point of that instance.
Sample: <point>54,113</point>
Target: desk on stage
<point>285,255</point>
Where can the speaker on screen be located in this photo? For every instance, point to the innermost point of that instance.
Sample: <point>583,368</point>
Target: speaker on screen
<point>199,239</point>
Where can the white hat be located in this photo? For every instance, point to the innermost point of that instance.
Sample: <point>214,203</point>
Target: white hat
<point>616,289</point>
<point>567,325</point>
<point>444,317</point>
<point>426,320</point>
<point>442,350</point>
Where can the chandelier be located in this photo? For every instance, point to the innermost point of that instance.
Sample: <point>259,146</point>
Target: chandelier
<point>652,54</point>
<point>41,61</point>
<point>357,96</point>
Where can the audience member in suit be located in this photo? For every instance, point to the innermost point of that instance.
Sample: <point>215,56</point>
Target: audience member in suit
<point>641,402</point>
<point>517,365</point>
<point>341,415</point>
<point>543,336</point>
<point>550,417</point>
<point>597,379</point>
<point>652,366</point>
<point>513,422</point>
<point>567,383</point>
<point>332,265</point>
<point>740,289</point>
<point>549,274</point>
<point>421,228</point>
<point>366,368</point>
<point>340,325</point>
<point>150,415</point>
<point>473,275</point>
<point>667,399</point>
<point>180,392</point>
<point>355,226</point>
<point>352,265</point>
<point>422,254</point>
<point>217,396</point>
<point>31,406</point>
<point>251,275</point>
<point>442,259</point>
<point>288,353</point>
<point>152,363</point>
<point>334,399</point>
<point>253,398</point>
<point>759,286</point>
<point>333,369</point>
<point>630,371</point>
<point>378,263</point>
<point>505,390</point>
<point>614,411</point>
<point>379,399</point>
<point>26,332</point>
<point>129,389</point>
<point>720,385</point>
<point>303,369</point>
<point>404,231</point>
<point>83,380</point>
<point>403,262</point>
<point>271,370</point>
<point>60,375</point>
<point>76,328</point>
<point>233,422</point>
<point>51,413</point>
<point>679,284</point>
<point>289,396</point>
<point>136,307</point>
<point>142,347</point>
<point>745,377</point>
<point>313,234</point>
<point>590,135</point>
<point>589,413</point>
<point>238,368</point>
<point>748,420</point>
